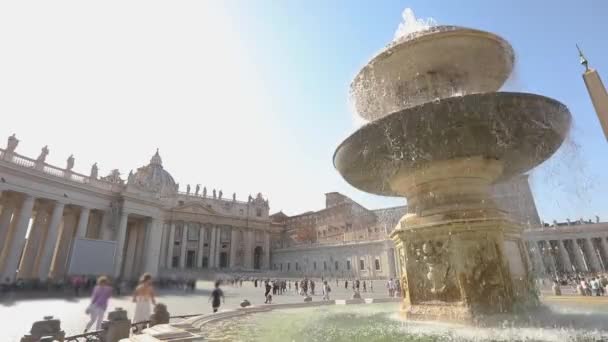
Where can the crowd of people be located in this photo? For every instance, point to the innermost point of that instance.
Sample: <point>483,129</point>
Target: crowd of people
<point>584,285</point>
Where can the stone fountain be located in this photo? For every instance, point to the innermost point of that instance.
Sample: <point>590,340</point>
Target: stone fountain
<point>440,134</point>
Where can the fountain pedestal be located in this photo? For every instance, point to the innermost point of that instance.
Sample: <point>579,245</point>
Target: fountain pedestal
<point>460,256</point>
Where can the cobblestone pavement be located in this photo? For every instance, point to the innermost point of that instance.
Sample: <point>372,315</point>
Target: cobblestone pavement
<point>17,313</point>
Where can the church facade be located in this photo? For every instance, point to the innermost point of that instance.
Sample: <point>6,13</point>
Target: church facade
<point>155,227</point>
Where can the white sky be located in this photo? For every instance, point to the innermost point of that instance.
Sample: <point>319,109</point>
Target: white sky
<point>112,81</point>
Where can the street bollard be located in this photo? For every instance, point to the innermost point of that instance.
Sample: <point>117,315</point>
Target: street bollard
<point>49,329</point>
<point>160,315</point>
<point>118,325</point>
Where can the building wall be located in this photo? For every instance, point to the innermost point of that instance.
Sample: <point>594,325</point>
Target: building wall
<point>310,260</point>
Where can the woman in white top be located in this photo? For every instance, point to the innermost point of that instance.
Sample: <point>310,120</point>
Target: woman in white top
<point>143,297</point>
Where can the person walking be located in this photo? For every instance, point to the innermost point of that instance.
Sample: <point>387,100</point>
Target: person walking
<point>144,298</point>
<point>217,297</point>
<point>326,290</point>
<point>99,303</point>
<point>267,295</point>
<point>296,286</point>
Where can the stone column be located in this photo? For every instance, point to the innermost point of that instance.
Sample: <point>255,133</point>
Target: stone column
<point>170,246</point>
<point>201,247</point>
<point>565,257</point>
<point>233,246</point>
<point>212,247</point>
<point>593,259</point>
<point>266,250</point>
<point>142,238</point>
<point>106,232</point>
<point>48,248</point>
<point>121,236</point>
<point>83,222</point>
<point>154,232</point>
<point>130,253</point>
<point>32,244</point>
<point>605,247</point>
<point>182,257</point>
<point>18,238</point>
<point>8,208</point>
<point>249,246</point>
<point>537,258</point>
<point>578,256</point>
<point>163,246</point>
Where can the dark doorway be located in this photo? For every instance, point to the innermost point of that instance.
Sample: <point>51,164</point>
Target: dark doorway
<point>223,260</point>
<point>257,258</point>
<point>191,256</point>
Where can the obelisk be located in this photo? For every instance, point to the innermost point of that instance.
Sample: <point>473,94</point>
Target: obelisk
<point>597,92</point>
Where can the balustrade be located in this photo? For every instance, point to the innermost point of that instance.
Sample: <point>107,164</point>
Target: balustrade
<point>55,171</point>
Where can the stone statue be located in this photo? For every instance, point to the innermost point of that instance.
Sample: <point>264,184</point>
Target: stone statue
<point>131,177</point>
<point>12,143</point>
<point>435,259</point>
<point>204,191</point>
<point>220,194</point>
<point>234,197</point>
<point>597,219</point>
<point>70,163</point>
<point>198,188</point>
<point>250,199</point>
<point>94,171</point>
<point>214,194</point>
<point>188,189</point>
<point>43,153</point>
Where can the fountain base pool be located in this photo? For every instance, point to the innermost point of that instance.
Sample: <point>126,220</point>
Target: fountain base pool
<point>382,322</point>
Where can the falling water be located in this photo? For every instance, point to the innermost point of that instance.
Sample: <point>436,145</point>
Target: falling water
<point>412,24</point>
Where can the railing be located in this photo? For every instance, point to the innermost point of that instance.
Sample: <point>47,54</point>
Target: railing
<point>23,161</point>
<point>55,171</point>
<point>98,335</point>
<point>223,199</point>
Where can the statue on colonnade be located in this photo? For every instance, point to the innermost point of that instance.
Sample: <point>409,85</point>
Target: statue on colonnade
<point>214,194</point>
<point>43,153</point>
<point>198,188</point>
<point>220,194</point>
<point>94,171</point>
<point>188,189</point>
<point>12,143</point>
<point>70,163</point>
<point>204,191</point>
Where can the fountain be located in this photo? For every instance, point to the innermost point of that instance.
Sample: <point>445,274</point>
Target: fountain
<point>440,134</point>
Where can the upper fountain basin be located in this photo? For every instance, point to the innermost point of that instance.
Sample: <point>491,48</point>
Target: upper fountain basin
<point>521,130</point>
<point>440,62</point>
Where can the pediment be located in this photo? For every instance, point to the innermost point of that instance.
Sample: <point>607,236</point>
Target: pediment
<point>194,208</point>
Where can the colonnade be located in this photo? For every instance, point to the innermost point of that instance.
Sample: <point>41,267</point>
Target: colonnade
<point>36,234</point>
<point>198,245</point>
<point>570,255</point>
<point>37,237</point>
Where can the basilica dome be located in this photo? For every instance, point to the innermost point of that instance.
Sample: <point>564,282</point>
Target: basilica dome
<point>154,178</point>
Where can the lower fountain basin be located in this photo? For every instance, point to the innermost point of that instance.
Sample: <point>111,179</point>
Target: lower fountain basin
<point>521,130</point>
<point>381,322</point>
